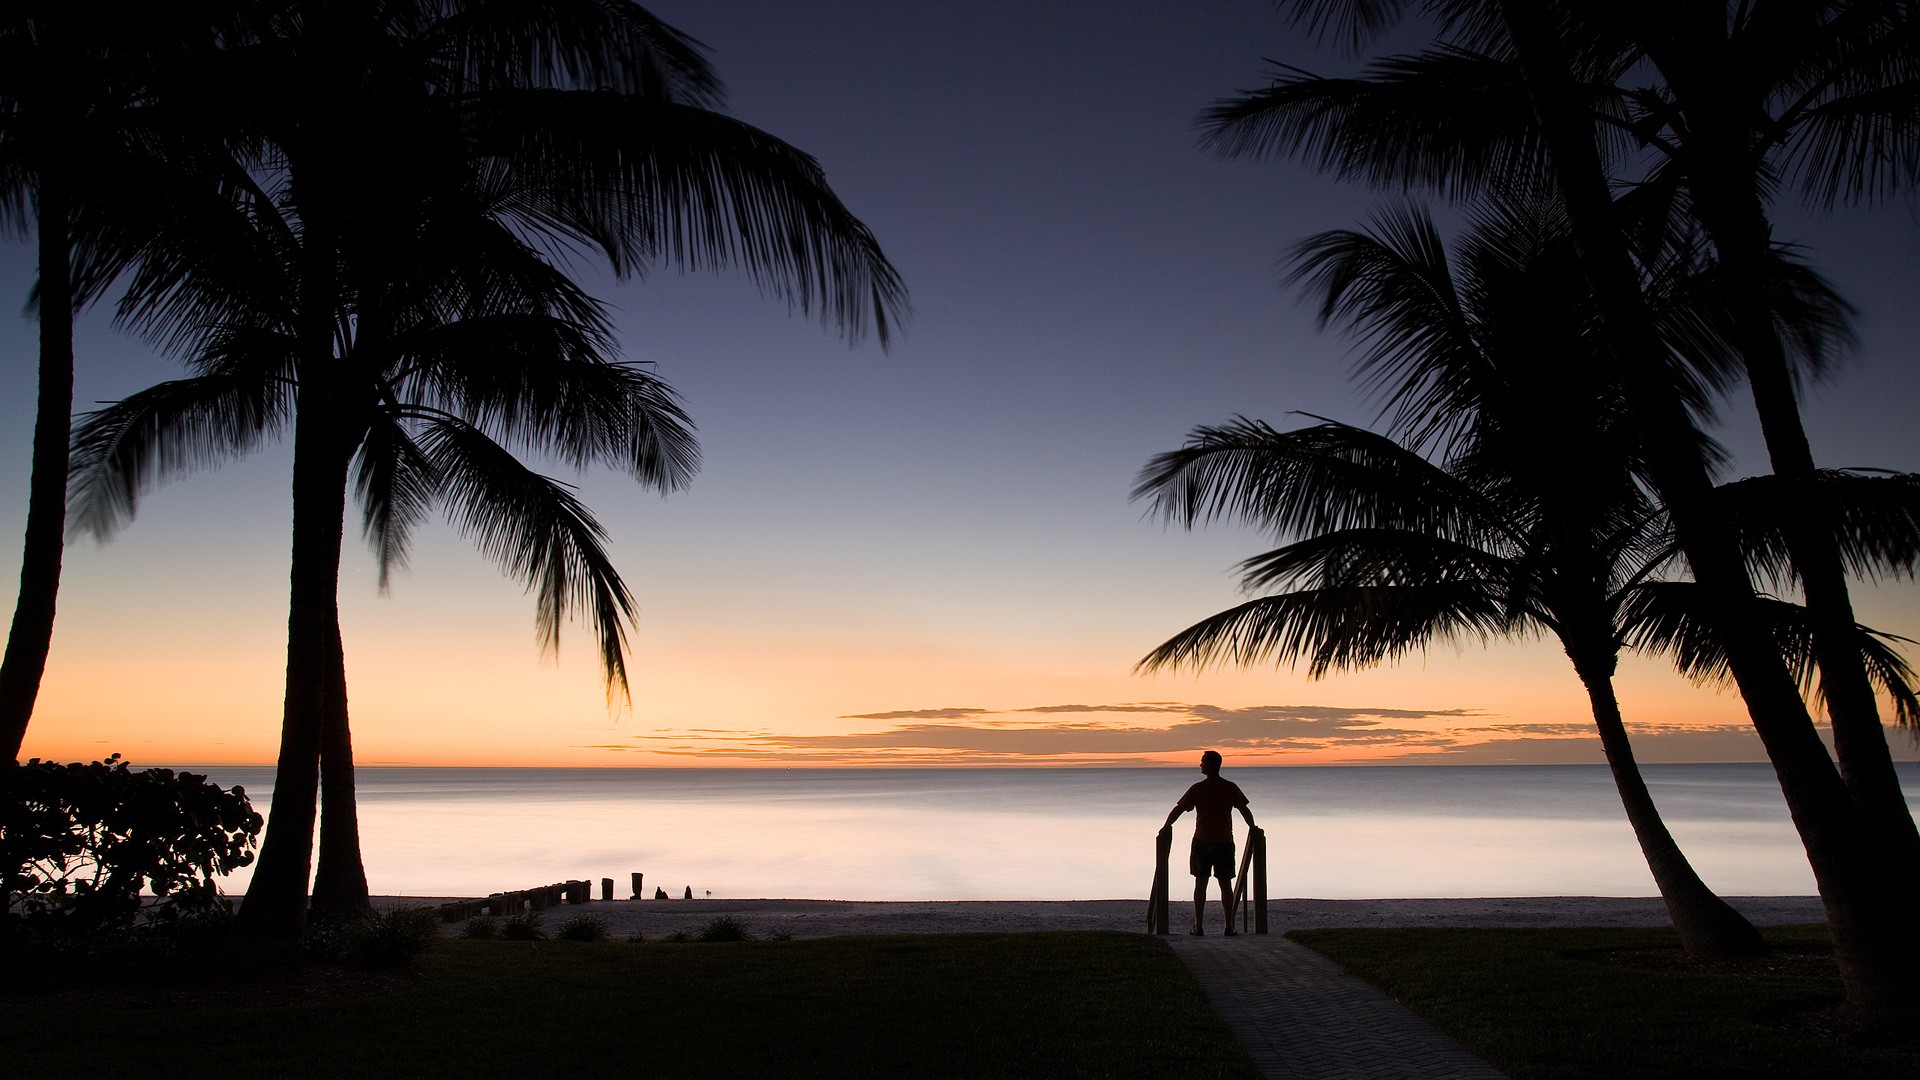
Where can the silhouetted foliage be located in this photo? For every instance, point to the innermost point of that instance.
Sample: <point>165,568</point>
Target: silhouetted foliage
<point>583,928</point>
<point>383,939</point>
<point>81,844</point>
<point>523,927</point>
<point>481,928</point>
<point>724,928</point>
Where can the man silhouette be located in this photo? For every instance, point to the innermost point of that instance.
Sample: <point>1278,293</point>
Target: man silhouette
<point>1213,801</point>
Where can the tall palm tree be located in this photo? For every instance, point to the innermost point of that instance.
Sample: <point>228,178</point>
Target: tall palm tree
<point>1725,103</point>
<point>1553,52</point>
<point>446,370</point>
<point>82,110</point>
<point>1535,522</point>
<point>578,125</point>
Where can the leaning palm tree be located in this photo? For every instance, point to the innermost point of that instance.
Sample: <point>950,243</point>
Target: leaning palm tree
<point>574,126</point>
<point>1552,52</point>
<point>1427,554</point>
<point>1725,103</point>
<point>1533,524</point>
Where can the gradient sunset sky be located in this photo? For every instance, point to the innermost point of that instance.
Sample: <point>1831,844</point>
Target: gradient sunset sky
<point>925,556</point>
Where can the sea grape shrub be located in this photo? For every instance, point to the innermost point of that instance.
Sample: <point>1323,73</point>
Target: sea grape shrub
<point>81,844</point>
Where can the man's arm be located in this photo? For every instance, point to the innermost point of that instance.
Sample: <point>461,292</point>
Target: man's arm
<point>1172,816</point>
<point>1247,812</point>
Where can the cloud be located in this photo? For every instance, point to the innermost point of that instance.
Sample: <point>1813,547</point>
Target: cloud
<point>1111,733</point>
<point>957,713</point>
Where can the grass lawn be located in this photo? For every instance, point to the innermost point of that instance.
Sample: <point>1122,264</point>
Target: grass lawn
<point>1578,1004</point>
<point>975,1005</point>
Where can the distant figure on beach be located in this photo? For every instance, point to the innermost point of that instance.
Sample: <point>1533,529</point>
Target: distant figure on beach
<point>1213,801</point>
<point>689,895</point>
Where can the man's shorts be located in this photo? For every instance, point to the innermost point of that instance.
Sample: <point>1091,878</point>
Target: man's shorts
<point>1211,860</point>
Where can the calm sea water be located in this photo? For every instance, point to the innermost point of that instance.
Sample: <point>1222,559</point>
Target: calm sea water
<point>1052,834</point>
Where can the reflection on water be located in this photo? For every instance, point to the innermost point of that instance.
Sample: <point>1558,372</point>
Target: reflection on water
<point>1052,834</point>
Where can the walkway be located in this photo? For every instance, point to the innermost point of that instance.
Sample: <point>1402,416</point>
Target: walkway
<point>1303,1017</point>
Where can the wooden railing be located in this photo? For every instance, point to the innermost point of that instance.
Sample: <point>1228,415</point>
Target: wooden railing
<point>1252,909</point>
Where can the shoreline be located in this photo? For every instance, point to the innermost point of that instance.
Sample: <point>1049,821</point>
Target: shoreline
<point>801,918</point>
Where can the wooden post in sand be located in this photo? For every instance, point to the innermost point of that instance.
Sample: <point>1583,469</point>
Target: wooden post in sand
<point>606,888</point>
<point>1257,840</point>
<point>637,894</point>
<point>1157,898</point>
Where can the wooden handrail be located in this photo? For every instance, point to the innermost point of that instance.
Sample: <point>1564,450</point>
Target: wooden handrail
<point>1254,858</point>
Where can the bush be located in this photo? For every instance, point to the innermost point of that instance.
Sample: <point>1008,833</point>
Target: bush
<point>80,843</point>
<point>384,939</point>
<point>583,928</point>
<point>725,928</point>
<point>481,928</point>
<point>523,927</point>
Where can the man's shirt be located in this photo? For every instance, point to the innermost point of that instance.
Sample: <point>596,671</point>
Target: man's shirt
<point>1213,801</point>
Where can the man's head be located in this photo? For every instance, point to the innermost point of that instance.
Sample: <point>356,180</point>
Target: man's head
<point>1210,762</point>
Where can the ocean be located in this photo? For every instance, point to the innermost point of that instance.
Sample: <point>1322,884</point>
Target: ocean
<point>1052,833</point>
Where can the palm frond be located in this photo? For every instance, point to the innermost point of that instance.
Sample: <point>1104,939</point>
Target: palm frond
<point>1312,480</point>
<point>1381,557</point>
<point>648,181</point>
<point>124,450</point>
<point>1673,619</point>
<point>540,383</point>
<point>1448,119</point>
<point>573,43</point>
<point>1875,516</point>
<point>1393,288</point>
<point>537,531</point>
<point>1333,629</point>
<point>396,486</point>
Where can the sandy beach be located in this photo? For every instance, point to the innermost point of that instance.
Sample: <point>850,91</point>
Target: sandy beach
<point>834,918</point>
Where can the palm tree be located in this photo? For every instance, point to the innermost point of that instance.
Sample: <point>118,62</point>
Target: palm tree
<point>449,367</point>
<point>82,110</point>
<point>579,124</point>
<point>1747,97</point>
<point>1553,52</point>
<point>1534,523</point>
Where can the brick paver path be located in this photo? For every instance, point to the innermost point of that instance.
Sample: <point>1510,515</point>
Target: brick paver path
<point>1303,1017</point>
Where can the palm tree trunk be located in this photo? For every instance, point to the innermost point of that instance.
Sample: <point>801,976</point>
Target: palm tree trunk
<point>1692,55</point>
<point>274,913</point>
<point>1708,925</point>
<point>31,633</point>
<point>340,879</point>
<point>1876,945</point>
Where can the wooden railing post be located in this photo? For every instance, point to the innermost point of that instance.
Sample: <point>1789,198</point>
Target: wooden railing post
<point>1239,904</point>
<point>1257,842</point>
<point>1157,898</point>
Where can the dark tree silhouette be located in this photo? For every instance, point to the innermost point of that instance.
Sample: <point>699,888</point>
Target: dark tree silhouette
<point>1533,522</point>
<point>578,125</point>
<point>1558,56</point>
<point>83,110</point>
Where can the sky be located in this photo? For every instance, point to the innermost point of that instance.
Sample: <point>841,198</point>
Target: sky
<point>923,555</point>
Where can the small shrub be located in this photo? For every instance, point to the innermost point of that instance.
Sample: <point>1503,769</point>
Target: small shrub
<point>582,928</point>
<point>393,938</point>
<point>384,939</point>
<point>780,935</point>
<point>725,928</point>
<point>524,926</point>
<point>635,938</point>
<point>481,928</point>
<point>678,937</point>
